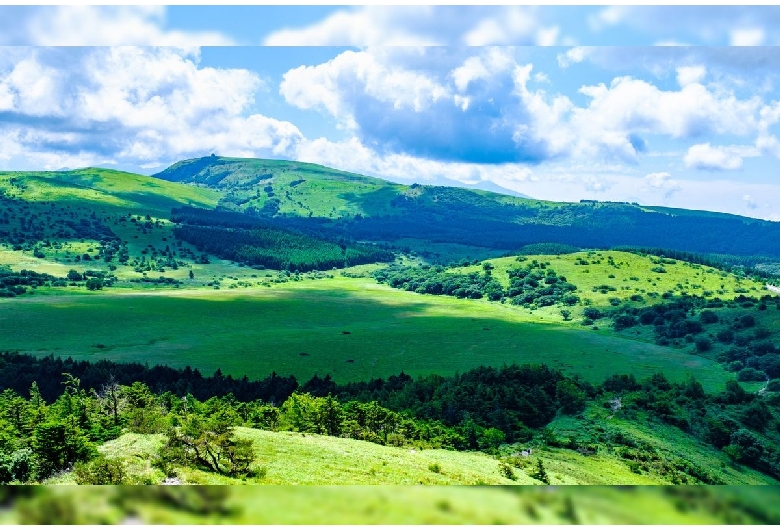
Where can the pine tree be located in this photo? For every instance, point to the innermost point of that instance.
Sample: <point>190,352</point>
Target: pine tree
<point>540,474</point>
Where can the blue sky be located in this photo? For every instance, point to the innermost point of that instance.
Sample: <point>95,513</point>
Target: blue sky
<point>586,105</point>
<point>312,25</point>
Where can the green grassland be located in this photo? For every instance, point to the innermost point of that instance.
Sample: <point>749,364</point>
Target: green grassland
<point>398,505</point>
<point>305,189</point>
<point>293,458</point>
<point>134,207</point>
<point>663,446</point>
<point>113,190</point>
<point>629,274</point>
<point>351,328</point>
<point>247,321</point>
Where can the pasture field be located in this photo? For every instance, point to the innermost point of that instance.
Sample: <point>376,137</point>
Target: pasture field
<point>293,458</point>
<point>594,505</point>
<point>351,328</point>
<point>105,189</point>
<point>629,275</point>
<point>668,444</point>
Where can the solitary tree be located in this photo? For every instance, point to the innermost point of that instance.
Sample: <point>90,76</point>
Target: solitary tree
<point>539,473</point>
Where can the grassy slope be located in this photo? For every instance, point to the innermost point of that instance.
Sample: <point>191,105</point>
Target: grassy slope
<point>570,467</point>
<point>259,330</point>
<point>105,188</point>
<point>632,275</point>
<point>111,195</point>
<point>450,213</point>
<point>319,190</point>
<point>412,505</point>
<point>290,458</point>
<point>309,459</point>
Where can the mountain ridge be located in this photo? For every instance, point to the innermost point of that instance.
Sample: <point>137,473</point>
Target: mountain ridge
<point>314,198</point>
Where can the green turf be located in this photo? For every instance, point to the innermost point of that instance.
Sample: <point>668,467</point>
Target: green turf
<point>606,467</point>
<point>632,275</point>
<point>105,188</point>
<point>397,505</point>
<point>259,330</point>
<point>292,458</point>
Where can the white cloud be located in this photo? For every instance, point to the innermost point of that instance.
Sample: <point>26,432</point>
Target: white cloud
<point>423,26</point>
<point>687,75</point>
<point>572,56</point>
<point>84,25</point>
<point>767,143</point>
<point>134,105</point>
<point>541,77</point>
<point>511,25</point>
<point>749,202</point>
<point>446,104</point>
<point>609,16</point>
<point>331,86</point>
<point>747,37</point>
<point>475,105</point>
<point>706,157</point>
<point>717,25</point>
<point>617,115</point>
<point>353,155</point>
<point>596,185</point>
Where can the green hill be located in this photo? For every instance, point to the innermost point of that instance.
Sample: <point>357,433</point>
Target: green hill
<point>104,265</point>
<point>314,197</point>
<point>103,188</point>
<point>294,458</point>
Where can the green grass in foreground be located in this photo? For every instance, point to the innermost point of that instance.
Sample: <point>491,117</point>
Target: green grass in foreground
<point>351,328</point>
<point>397,505</point>
<point>294,458</point>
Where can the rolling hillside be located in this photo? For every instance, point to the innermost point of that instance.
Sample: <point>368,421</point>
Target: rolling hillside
<point>316,198</point>
<point>291,268</point>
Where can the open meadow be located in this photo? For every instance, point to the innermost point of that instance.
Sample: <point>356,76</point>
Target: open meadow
<point>350,328</point>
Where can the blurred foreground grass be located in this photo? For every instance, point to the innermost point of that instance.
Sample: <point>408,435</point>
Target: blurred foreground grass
<point>389,505</point>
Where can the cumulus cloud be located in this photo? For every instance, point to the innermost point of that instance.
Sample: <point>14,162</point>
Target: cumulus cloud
<point>767,143</point>
<point>424,26</point>
<point>688,75</point>
<point>353,155</point>
<point>749,202</point>
<point>476,106</point>
<point>438,104</point>
<point>747,37</point>
<point>700,25</point>
<point>572,56</point>
<point>139,105</point>
<point>84,25</point>
<point>617,115</point>
<point>706,157</point>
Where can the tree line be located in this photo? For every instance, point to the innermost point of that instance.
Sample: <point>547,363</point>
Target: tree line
<point>478,410</point>
<point>752,352</point>
<point>240,238</point>
<point>530,285</point>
